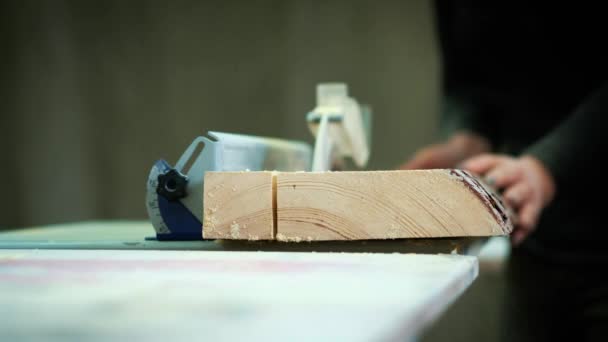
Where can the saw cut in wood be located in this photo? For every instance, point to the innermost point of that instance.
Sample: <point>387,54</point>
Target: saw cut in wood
<point>357,205</point>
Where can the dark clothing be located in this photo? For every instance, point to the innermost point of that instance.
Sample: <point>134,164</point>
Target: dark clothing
<point>547,301</point>
<point>533,79</point>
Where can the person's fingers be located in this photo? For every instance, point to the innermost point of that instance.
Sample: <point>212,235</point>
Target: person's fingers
<point>527,218</point>
<point>518,236</point>
<point>528,214</point>
<point>432,157</point>
<point>419,162</point>
<point>482,164</point>
<point>518,194</point>
<point>504,174</point>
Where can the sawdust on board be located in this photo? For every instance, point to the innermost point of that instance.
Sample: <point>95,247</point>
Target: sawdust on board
<point>235,230</point>
<point>211,192</point>
<point>284,238</point>
<point>393,232</point>
<point>210,221</point>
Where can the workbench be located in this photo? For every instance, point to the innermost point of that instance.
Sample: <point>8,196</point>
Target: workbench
<point>104,281</point>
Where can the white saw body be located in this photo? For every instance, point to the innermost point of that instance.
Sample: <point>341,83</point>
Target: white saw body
<point>174,197</point>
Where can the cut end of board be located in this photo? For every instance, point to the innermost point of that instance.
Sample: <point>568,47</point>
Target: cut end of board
<point>360,205</point>
<point>239,206</point>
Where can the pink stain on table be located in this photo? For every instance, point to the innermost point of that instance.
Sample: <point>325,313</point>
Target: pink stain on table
<point>198,265</point>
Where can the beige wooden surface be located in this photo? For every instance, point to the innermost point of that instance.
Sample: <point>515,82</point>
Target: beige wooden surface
<point>379,205</point>
<point>362,205</point>
<point>238,205</point>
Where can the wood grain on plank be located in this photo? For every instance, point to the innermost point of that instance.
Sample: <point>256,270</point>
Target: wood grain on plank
<point>386,205</point>
<point>361,205</point>
<point>238,205</point>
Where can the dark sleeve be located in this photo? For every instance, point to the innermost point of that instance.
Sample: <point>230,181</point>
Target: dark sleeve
<point>461,113</point>
<point>462,105</point>
<point>577,141</point>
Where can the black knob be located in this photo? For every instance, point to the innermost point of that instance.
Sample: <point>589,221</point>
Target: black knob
<point>172,185</point>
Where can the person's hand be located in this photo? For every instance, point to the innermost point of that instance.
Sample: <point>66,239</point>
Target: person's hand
<point>448,154</point>
<point>436,156</point>
<point>526,184</point>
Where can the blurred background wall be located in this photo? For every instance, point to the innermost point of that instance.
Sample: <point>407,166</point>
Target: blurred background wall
<point>93,92</point>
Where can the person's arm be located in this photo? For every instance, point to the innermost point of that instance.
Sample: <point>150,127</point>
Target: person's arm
<point>465,128</point>
<point>529,182</point>
<point>577,141</point>
<point>448,154</point>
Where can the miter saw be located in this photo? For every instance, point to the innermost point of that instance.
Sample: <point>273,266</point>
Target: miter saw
<point>174,197</point>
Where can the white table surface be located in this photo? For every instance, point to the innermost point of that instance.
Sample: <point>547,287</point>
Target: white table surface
<point>124,295</point>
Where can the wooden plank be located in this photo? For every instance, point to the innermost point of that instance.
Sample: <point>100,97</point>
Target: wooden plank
<point>355,205</point>
<point>238,205</point>
<point>386,205</point>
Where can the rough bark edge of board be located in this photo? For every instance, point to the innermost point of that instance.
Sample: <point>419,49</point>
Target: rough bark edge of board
<point>492,201</point>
